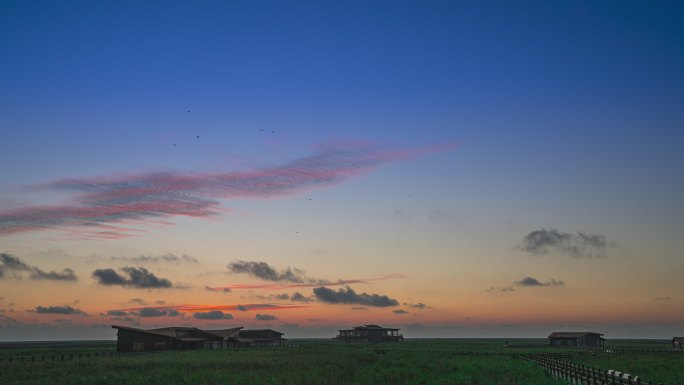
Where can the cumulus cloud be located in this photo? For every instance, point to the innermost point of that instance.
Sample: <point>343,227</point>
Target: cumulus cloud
<point>137,277</point>
<point>102,207</point>
<point>580,245</point>
<point>265,317</point>
<point>349,296</point>
<point>263,270</point>
<point>400,311</point>
<point>13,267</point>
<point>530,281</point>
<point>213,315</point>
<point>64,310</point>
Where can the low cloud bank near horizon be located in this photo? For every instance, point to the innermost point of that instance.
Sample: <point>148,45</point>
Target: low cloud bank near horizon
<point>212,315</point>
<point>62,310</point>
<point>193,308</point>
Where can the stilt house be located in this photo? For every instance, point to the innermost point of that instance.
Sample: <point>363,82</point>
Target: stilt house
<point>369,333</point>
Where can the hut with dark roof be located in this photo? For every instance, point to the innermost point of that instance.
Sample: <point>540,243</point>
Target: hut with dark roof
<point>369,333</point>
<point>576,339</point>
<point>186,338</point>
<point>261,337</point>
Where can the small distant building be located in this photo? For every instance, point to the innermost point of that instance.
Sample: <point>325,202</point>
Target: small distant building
<point>677,342</point>
<point>369,333</point>
<point>576,339</point>
<point>189,338</point>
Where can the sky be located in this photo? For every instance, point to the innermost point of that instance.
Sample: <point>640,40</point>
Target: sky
<point>450,168</point>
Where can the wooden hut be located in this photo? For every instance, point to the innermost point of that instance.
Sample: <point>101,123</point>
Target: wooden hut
<point>576,339</point>
<point>260,337</point>
<point>186,338</point>
<point>369,333</point>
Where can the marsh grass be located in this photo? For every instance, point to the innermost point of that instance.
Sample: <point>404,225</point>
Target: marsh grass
<point>311,362</point>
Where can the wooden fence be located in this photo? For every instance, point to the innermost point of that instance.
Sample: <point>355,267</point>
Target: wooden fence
<point>581,374</point>
<point>634,350</point>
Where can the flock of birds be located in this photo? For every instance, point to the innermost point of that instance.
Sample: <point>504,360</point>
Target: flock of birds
<point>260,130</point>
<point>197,136</point>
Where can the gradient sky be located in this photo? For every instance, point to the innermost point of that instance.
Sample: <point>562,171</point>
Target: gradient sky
<point>451,168</point>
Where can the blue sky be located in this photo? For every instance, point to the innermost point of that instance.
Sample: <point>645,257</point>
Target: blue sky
<point>550,115</point>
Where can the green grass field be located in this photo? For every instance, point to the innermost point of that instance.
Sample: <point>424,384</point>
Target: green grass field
<point>438,361</point>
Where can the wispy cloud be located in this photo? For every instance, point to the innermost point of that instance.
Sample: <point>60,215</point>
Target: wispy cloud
<point>349,296</point>
<point>418,305</point>
<point>580,245</point>
<point>136,277</point>
<point>317,283</point>
<point>168,257</point>
<point>400,311</point>
<point>218,289</point>
<point>662,299</point>
<point>506,289</point>
<point>530,281</point>
<point>101,207</point>
<point>13,267</point>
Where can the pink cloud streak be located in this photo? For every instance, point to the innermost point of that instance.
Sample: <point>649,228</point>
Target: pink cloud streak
<point>100,202</point>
